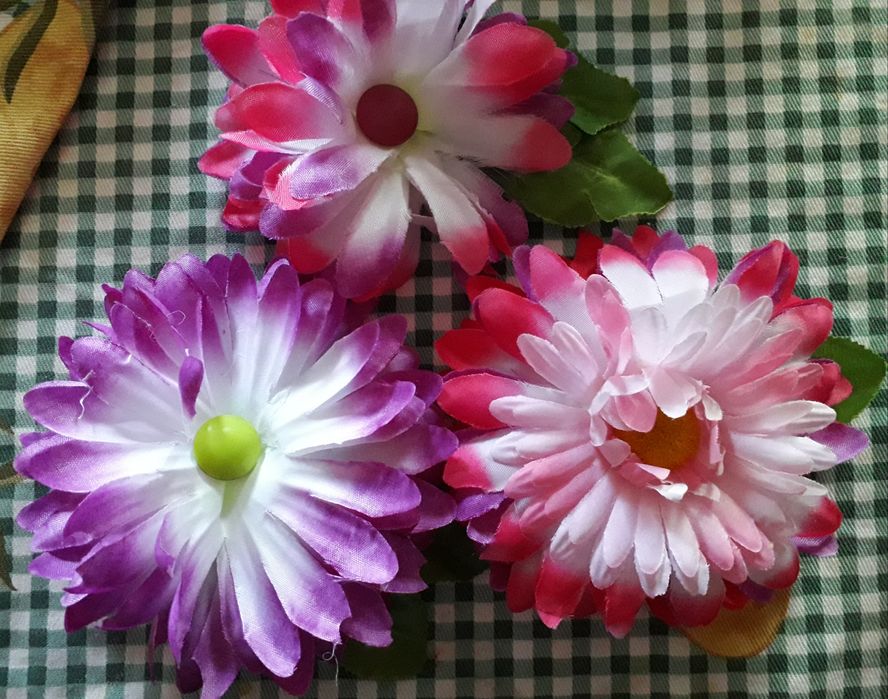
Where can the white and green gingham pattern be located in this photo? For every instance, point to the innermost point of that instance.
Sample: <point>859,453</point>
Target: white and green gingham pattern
<point>768,117</point>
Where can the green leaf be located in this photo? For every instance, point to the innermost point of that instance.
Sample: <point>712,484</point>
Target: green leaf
<point>863,368</point>
<point>601,99</point>
<point>451,557</point>
<point>553,29</point>
<point>408,653</point>
<point>5,565</point>
<point>607,178</point>
<point>572,134</point>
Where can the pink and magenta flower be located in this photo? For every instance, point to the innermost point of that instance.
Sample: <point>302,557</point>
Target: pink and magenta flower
<point>239,465</point>
<point>349,124</point>
<point>640,432</point>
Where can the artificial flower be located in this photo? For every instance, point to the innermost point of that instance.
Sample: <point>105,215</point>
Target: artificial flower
<point>345,117</point>
<point>640,432</point>
<point>237,464</point>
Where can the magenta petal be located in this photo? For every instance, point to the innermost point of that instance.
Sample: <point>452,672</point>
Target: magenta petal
<point>370,622</point>
<point>379,18</point>
<point>235,50</point>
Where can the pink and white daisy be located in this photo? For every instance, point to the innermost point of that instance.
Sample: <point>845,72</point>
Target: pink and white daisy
<point>237,464</point>
<point>644,433</point>
<point>345,117</point>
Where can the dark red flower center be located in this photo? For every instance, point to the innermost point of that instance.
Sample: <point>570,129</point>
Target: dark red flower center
<point>387,115</point>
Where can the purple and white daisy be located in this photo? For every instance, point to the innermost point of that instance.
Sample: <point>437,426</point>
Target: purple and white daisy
<point>237,464</point>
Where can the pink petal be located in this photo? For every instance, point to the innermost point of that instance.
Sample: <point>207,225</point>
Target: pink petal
<point>460,225</point>
<point>283,113</point>
<point>223,159</point>
<point>235,50</point>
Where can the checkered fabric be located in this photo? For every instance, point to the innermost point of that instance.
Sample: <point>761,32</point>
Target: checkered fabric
<point>768,117</point>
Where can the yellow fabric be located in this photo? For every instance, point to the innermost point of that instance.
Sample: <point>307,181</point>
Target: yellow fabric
<point>742,633</point>
<point>44,91</point>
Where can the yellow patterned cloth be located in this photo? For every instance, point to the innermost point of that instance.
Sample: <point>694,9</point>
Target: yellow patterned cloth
<point>45,47</point>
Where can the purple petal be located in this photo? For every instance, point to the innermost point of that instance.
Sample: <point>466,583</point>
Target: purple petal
<point>144,604</point>
<point>336,169</point>
<point>213,654</point>
<point>821,546</point>
<point>521,263</point>
<point>844,440</point>
<point>299,682</point>
<point>555,109</point>
<point>266,627</point>
<point>357,416</point>
<point>81,467</point>
<point>48,566</point>
<point>321,49</point>
<point>437,509</point>
<point>410,562</point>
<point>474,504</point>
<point>311,597</point>
<point>123,503</point>
<point>372,489</point>
<point>412,452</point>
<point>319,319</point>
<point>349,544</point>
<point>120,562</point>
<point>191,375</point>
<point>370,622</point>
<point>46,519</point>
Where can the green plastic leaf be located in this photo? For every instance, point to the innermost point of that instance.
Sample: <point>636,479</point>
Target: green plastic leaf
<point>862,367</point>
<point>408,653</point>
<point>5,565</point>
<point>553,29</point>
<point>451,557</point>
<point>572,134</point>
<point>607,179</point>
<point>601,99</point>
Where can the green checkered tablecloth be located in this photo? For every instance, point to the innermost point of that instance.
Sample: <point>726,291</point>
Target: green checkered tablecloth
<point>770,120</point>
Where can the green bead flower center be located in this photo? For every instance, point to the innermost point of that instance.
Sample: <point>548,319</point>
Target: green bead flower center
<point>227,447</point>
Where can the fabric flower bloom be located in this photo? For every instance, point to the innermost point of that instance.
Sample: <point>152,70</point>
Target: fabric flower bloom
<point>344,117</point>
<point>236,464</point>
<point>644,433</point>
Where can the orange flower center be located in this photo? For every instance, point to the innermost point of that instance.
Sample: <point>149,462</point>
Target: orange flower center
<point>671,443</point>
